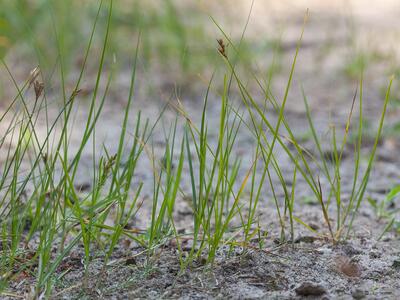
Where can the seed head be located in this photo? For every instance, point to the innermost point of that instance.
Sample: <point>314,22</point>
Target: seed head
<point>222,47</point>
<point>39,87</point>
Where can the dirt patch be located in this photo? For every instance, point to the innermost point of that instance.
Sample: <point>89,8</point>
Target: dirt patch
<point>282,272</point>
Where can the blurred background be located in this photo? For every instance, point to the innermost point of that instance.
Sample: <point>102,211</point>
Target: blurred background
<point>178,49</point>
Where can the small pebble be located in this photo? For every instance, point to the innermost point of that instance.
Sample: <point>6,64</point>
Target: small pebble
<point>358,294</point>
<point>347,266</point>
<point>310,289</point>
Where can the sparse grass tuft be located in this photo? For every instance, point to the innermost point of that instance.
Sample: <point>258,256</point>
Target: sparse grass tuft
<point>45,214</point>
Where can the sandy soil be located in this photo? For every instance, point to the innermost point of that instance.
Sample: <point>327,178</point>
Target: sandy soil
<point>361,268</point>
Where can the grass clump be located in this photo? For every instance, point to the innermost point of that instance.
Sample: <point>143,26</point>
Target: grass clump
<point>44,207</point>
<point>345,212</point>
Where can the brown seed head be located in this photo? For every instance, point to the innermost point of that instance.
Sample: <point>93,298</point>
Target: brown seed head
<point>221,47</point>
<point>39,87</point>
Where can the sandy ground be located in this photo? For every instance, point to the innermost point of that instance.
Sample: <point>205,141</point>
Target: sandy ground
<point>362,268</point>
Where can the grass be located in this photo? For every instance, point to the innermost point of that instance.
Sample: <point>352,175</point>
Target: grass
<point>172,41</point>
<point>386,210</point>
<point>40,202</point>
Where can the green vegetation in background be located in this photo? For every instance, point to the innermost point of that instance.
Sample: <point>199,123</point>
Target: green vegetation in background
<point>388,210</point>
<point>178,42</point>
<point>33,24</point>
